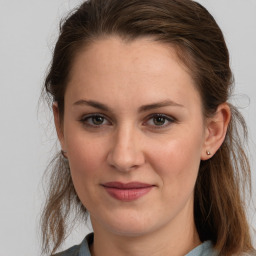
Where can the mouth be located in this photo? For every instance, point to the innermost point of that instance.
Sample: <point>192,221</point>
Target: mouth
<point>127,191</point>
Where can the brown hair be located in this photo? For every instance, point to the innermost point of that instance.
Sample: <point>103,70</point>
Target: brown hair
<point>188,27</point>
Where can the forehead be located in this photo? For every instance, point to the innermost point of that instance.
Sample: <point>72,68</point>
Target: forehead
<point>111,68</point>
<point>141,55</point>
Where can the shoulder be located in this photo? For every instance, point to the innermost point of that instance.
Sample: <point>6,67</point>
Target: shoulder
<point>205,249</point>
<point>79,250</point>
<point>73,251</point>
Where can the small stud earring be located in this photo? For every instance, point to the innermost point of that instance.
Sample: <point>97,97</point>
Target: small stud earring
<point>64,156</point>
<point>208,153</point>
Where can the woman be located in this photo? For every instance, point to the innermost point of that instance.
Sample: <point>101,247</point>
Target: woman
<point>149,143</point>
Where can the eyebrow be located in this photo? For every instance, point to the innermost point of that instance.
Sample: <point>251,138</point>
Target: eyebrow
<point>143,108</point>
<point>165,103</point>
<point>92,103</point>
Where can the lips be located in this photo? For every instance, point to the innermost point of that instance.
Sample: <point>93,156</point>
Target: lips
<point>127,191</point>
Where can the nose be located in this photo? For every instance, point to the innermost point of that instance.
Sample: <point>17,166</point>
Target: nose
<point>126,151</point>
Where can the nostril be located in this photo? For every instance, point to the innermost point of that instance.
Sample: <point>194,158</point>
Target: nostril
<point>125,153</point>
<point>124,161</point>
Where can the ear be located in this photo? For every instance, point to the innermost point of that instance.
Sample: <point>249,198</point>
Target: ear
<point>216,129</point>
<point>58,126</point>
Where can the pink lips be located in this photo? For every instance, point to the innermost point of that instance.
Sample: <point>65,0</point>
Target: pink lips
<point>127,192</point>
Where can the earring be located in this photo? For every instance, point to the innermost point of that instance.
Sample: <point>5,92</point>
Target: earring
<point>64,156</point>
<point>208,153</point>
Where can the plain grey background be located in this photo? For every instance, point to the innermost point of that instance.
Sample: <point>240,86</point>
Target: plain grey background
<point>28,30</point>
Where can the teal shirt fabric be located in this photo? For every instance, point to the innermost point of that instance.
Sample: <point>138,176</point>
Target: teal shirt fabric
<point>205,249</point>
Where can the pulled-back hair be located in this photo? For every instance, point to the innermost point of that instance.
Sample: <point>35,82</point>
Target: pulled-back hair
<point>223,180</point>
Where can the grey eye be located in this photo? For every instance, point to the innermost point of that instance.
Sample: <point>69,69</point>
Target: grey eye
<point>97,120</point>
<point>159,120</point>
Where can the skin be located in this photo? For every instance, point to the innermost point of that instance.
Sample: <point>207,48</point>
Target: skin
<point>129,143</point>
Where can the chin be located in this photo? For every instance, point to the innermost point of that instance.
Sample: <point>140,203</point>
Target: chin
<point>130,231</point>
<point>131,226</point>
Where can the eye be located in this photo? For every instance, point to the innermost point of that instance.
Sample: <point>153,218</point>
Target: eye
<point>95,120</point>
<point>159,121</point>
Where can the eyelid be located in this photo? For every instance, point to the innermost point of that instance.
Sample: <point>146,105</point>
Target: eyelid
<point>87,116</point>
<point>169,118</point>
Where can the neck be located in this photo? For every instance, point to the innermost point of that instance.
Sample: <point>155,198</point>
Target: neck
<point>176,239</point>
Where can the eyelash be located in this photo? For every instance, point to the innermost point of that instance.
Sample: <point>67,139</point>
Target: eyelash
<point>85,120</point>
<point>166,118</point>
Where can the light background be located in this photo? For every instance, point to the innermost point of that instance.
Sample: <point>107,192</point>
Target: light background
<point>28,30</point>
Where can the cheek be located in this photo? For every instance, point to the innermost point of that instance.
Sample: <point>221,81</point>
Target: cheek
<point>83,149</point>
<point>86,157</point>
<point>177,161</point>
<point>86,166</point>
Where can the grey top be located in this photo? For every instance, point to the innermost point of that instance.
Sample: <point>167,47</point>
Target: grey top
<point>205,249</point>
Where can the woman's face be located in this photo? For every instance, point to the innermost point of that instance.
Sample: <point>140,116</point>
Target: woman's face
<point>134,134</point>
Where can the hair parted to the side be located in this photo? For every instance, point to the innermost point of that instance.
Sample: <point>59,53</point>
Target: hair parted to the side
<point>223,180</point>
